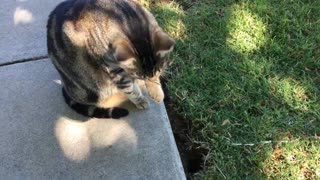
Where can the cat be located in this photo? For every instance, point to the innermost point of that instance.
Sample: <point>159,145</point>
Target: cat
<point>102,48</point>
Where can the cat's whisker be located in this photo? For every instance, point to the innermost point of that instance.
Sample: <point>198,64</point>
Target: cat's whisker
<point>166,74</point>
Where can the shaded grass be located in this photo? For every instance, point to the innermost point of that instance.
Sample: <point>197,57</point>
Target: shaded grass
<point>248,72</point>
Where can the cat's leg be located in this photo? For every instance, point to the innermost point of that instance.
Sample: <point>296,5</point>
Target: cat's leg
<point>154,88</point>
<point>135,95</point>
<point>130,87</point>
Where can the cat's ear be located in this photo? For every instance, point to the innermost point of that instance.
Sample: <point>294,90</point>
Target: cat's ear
<point>123,51</point>
<point>163,43</point>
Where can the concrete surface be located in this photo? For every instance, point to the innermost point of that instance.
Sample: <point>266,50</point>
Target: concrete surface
<point>42,138</point>
<point>23,28</point>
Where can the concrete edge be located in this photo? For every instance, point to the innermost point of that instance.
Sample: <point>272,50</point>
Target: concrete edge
<point>177,159</point>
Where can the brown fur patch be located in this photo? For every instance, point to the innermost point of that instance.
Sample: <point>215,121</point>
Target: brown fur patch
<point>120,99</point>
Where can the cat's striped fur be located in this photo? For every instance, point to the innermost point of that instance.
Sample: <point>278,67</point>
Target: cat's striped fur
<point>101,47</point>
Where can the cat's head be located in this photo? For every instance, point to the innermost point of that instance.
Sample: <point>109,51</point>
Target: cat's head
<point>145,59</point>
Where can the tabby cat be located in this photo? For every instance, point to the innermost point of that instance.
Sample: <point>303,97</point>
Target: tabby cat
<point>103,47</point>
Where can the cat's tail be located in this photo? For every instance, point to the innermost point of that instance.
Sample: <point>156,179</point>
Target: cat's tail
<point>94,111</point>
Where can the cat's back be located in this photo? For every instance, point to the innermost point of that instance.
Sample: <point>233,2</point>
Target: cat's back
<point>68,10</point>
<point>126,14</point>
<point>95,23</point>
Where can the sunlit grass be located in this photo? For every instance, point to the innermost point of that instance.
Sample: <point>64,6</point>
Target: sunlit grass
<point>171,16</point>
<point>297,160</point>
<point>247,32</point>
<point>291,92</point>
<point>171,19</point>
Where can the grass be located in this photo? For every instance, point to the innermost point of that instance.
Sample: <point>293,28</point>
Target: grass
<point>246,74</point>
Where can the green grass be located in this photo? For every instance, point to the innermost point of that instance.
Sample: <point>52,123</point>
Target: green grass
<point>248,72</point>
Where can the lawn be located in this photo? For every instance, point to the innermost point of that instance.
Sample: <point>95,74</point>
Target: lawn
<point>246,76</point>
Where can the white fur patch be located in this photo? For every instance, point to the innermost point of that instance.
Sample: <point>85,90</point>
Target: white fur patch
<point>128,63</point>
<point>162,53</point>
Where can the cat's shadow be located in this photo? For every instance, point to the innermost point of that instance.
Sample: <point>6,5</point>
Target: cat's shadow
<point>80,138</point>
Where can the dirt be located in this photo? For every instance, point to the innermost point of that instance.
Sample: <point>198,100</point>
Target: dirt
<point>192,154</point>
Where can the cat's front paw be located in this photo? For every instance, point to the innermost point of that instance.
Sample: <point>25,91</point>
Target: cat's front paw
<point>156,93</point>
<point>142,103</point>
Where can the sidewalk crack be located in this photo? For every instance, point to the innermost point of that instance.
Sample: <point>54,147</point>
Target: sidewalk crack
<point>37,58</point>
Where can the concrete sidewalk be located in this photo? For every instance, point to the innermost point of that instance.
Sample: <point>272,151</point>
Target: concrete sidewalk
<point>23,28</point>
<point>42,138</point>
